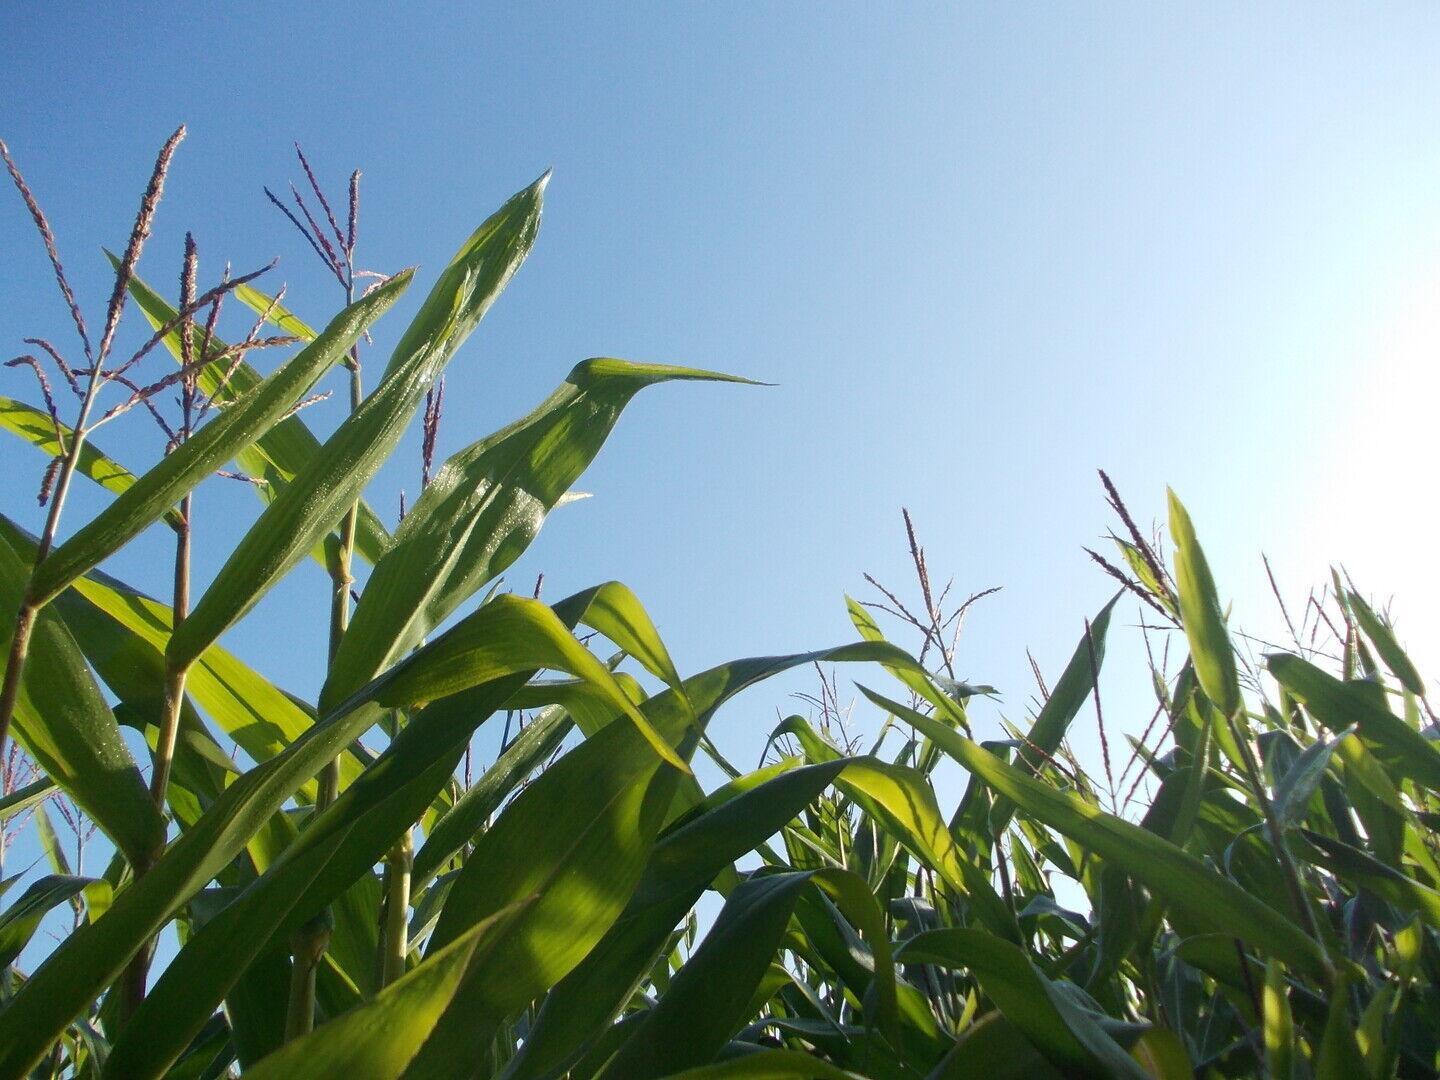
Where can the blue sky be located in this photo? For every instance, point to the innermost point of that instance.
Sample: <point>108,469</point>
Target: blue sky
<point>981,249</point>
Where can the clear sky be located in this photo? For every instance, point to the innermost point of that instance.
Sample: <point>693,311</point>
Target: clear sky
<point>982,249</point>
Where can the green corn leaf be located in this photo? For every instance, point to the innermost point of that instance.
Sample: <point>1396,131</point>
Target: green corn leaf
<point>681,866</point>
<point>1068,1037</point>
<point>378,1040</point>
<point>1386,645</point>
<point>50,842</point>
<point>278,455</point>
<point>1165,869</point>
<point>331,481</point>
<point>684,861</point>
<point>995,1048</point>
<point>1067,697</point>
<point>577,839</point>
<point>36,428</point>
<point>21,919</point>
<point>1338,705</point>
<point>1338,1056</point>
<point>219,441</point>
<point>708,999</point>
<point>1292,793</point>
<point>481,511</point>
<point>123,630</point>
<point>527,752</point>
<point>344,842</point>
<point>1278,1023</point>
<point>907,671</point>
<point>63,722</point>
<point>26,796</point>
<point>572,819</point>
<point>88,961</point>
<point>481,646</point>
<point>275,312</point>
<point>1202,615</point>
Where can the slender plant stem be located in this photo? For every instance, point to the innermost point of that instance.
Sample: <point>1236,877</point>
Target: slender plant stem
<point>1288,868</point>
<point>31,604</point>
<point>396,942</point>
<point>309,942</point>
<point>176,677</point>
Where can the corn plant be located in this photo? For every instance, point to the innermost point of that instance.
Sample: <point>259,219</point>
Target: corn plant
<point>336,910</point>
<point>1271,913</point>
<point>291,947</point>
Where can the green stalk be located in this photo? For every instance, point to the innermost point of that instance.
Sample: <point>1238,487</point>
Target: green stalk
<point>175,678</point>
<point>1288,868</point>
<point>395,934</point>
<point>309,942</point>
<point>29,605</point>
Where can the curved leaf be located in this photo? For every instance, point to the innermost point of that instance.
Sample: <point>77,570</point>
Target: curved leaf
<point>1165,869</point>
<point>21,919</point>
<point>708,999</point>
<point>1202,615</point>
<point>1338,705</point>
<point>240,425</point>
<point>306,510</point>
<point>580,800</point>
<point>281,452</point>
<point>377,1040</point>
<point>1389,648</point>
<point>481,511</point>
<point>1067,1036</point>
<point>63,722</point>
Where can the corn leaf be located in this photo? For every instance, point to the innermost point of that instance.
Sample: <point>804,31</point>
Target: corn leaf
<point>240,425</point>
<point>1386,645</point>
<point>1068,1037</point>
<point>26,796</point>
<point>275,312</point>
<point>277,456</point>
<point>481,511</point>
<point>63,722</point>
<point>1338,705</point>
<point>21,919</point>
<point>709,998</point>
<point>481,645</point>
<point>378,1040</point>
<point>681,866</point>
<point>330,482</point>
<point>1165,869</point>
<point>582,832</point>
<point>1202,616</point>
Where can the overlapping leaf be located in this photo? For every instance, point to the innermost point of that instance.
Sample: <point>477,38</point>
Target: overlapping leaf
<point>63,721</point>
<point>332,480</point>
<point>482,509</point>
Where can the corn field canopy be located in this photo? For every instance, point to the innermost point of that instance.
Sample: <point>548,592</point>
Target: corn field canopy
<point>345,888</point>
